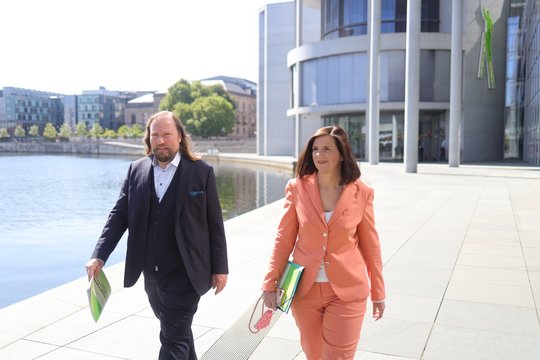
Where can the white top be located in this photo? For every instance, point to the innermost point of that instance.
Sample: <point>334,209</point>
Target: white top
<point>163,177</point>
<point>321,275</point>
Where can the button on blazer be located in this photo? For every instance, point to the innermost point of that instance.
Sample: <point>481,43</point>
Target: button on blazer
<point>348,244</point>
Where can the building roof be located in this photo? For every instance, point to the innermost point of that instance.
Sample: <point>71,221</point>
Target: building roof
<point>234,85</point>
<point>145,99</point>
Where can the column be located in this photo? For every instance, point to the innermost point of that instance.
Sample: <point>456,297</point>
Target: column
<point>412,83</point>
<point>373,104</point>
<point>455,84</point>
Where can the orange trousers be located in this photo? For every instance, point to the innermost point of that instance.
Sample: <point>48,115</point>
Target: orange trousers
<point>329,327</point>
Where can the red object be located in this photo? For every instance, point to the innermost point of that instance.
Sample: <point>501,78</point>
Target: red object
<point>264,321</point>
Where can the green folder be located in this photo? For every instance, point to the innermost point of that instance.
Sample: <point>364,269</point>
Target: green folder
<point>287,285</point>
<point>98,294</point>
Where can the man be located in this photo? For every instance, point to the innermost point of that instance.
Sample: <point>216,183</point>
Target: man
<point>170,207</point>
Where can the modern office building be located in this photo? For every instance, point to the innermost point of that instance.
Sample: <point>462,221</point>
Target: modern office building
<point>410,81</point>
<point>29,107</point>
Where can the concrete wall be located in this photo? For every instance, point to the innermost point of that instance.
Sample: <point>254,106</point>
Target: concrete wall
<point>275,129</point>
<point>119,147</point>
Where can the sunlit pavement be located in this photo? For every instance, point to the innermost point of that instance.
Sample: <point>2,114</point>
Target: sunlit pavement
<point>461,248</point>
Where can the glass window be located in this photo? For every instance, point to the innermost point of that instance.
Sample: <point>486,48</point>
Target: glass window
<point>392,76</point>
<point>340,79</point>
<point>394,16</point>
<point>355,126</point>
<point>435,75</point>
<point>341,18</point>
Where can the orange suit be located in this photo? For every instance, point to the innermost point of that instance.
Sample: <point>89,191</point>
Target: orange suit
<point>349,247</point>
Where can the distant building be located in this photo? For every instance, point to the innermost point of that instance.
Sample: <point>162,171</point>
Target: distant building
<point>105,107</point>
<point>30,107</point>
<point>139,109</point>
<point>245,94</point>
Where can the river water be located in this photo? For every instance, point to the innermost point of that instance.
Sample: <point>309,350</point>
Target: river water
<point>53,208</point>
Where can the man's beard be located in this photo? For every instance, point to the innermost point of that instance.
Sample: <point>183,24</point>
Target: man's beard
<point>164,156</point>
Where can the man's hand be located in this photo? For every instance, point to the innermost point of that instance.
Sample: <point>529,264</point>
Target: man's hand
<point>378,310</point>
<point>218,282</point>
<point>93,267</point>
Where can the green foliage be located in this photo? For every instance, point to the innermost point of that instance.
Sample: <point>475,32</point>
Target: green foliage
<point>19,132</point>
<point>109,134</point>
<point>49,132</point>
<point>4,133</point>
<point>81,130</point>
<point>180,92</point>
<point>124,131</point>
<point>205,110</point>
<point>96,130</point>
<point>65,131</point>
<point>137,131</point>
<point>183,111</point>
<point>212,116</point>
<point>34,131</point>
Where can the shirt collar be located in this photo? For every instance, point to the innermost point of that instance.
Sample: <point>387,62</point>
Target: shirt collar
<point>175,162</point>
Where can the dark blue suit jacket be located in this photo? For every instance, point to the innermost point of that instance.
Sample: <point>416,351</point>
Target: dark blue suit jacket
<point>199,227</point>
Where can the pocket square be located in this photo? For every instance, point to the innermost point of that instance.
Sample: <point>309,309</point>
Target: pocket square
<point>196,193</point>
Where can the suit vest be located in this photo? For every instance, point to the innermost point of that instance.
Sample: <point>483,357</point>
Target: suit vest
<point>162,255</point>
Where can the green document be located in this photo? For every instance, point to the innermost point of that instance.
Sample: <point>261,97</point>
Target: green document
<point>98,294</point>
<point>287,285</point>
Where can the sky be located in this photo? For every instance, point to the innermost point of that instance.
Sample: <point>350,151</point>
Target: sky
<point>67,46</point>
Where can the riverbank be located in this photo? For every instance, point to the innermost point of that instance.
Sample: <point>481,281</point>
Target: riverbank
<point>119,146</point>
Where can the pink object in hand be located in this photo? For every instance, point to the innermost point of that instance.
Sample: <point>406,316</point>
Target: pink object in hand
<point>264,321</point>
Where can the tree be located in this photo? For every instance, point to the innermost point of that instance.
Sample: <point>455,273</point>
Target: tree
<point>34,131</point>
<point>81,130</point>
<point>19,132</point>
<point>124,131</point>
<point>137,131</point>
<point>65,132</point>
<point>4,134</point>
<point>180,92</point>
<point>96,130</point>
<point>49,132</point>
<point>212,116</point>
<point>109,134</point>
<point>183,111</point>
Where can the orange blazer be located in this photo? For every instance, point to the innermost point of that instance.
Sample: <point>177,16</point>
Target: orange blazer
<point>348,244</point>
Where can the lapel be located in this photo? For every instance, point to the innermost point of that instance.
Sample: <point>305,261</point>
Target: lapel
<point>147,172</point>
<point>184,183</point>
<point>347,196</point>
<point>312,188</point>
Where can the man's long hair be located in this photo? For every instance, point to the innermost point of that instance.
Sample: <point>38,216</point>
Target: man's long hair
<point>185,145</point>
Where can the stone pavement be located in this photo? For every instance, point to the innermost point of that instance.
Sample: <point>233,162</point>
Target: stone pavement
<point>461,251</point>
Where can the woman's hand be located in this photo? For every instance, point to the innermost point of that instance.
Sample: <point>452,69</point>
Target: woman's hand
<point>378,310</point>
<point>270,300</point>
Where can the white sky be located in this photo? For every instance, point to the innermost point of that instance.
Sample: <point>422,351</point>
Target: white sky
<point>67,46</point>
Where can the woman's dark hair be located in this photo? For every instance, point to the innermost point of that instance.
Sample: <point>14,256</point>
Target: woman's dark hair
<point>185,144</point>
<point>349,167</point>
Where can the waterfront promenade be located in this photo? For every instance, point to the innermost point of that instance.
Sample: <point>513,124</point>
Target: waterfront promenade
<point>461,252</point>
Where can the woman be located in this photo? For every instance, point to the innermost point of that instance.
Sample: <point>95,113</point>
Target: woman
<point>328,225</point>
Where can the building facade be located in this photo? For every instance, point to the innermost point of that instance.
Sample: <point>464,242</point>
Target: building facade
<point>332,78</point>
<point>30,107</point>
<point>245,94</point>
<point>139,109</point>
